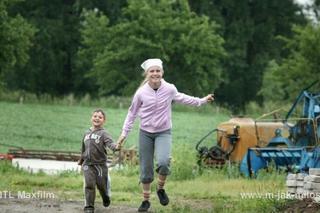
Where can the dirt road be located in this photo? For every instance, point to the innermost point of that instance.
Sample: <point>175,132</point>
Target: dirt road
<point>54,206</point>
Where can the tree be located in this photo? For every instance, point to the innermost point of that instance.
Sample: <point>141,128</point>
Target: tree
<point>271,89</point>
<point>55,43</point>
<point>94,38</point>
<point>53,67</point>
<point>302,66</point>
<point>250,29</point>
<point>16,36</point>
<point>110,8</point>
<point>189,45</point>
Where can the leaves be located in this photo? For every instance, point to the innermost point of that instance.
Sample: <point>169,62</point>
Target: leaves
<point>188,44</point>
<point>301,67</point>
<point>16,36</point>
<point>96,47</point>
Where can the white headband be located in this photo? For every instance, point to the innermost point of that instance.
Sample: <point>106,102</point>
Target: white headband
<point>150,63</point>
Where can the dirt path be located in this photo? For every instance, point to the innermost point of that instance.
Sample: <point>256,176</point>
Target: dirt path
<point>54,206</point>
<point>305,206</point>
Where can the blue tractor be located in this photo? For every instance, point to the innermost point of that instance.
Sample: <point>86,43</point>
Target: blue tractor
<point>299,149</point>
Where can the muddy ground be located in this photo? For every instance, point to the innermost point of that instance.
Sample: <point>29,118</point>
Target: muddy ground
<point>56,206</point>
<point>16,204</point>
<point>297,206</point>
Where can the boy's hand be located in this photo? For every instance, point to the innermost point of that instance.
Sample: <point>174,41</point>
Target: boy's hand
<point>80,161</point>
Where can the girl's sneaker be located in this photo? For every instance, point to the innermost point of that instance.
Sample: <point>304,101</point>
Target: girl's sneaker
<point>145,205</point>
<point>163,197</point>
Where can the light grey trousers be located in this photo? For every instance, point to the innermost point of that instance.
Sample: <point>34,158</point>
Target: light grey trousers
<point>156,145</point>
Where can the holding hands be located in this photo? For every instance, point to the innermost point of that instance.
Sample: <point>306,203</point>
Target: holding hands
<point>120,142</point>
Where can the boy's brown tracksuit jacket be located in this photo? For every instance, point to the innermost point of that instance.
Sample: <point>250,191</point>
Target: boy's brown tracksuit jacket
<point>94,164</point>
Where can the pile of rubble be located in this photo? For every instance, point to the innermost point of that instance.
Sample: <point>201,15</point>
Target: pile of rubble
<point>304,185</point>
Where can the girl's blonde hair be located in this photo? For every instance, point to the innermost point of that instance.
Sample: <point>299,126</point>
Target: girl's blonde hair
<point>145,80</point>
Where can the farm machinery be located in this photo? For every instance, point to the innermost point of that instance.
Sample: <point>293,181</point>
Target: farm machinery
<point>290,142</point>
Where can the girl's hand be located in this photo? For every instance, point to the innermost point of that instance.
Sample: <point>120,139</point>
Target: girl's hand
<point>210,97</point>
<point>120,142</point>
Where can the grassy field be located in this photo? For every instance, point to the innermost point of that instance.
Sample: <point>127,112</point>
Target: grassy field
<point>61,128</point>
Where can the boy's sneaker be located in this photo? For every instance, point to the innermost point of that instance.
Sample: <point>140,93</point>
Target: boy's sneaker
<point>145,205</point>
<point>163,197</point>
<point>106,201</point>
<point>88,209</point>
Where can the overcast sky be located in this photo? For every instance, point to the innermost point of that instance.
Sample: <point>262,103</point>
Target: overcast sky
<point>304,1</point>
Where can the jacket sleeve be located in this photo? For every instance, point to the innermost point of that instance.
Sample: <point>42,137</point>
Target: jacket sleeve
<point>107,140</point>
<point>132,115</point>
<point>80,161</point>
<point>187,99</point>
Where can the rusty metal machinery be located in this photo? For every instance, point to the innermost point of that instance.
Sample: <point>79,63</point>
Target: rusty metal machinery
<point>289,142</point>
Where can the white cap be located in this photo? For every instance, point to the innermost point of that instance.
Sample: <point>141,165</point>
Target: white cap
<point>150,63</point>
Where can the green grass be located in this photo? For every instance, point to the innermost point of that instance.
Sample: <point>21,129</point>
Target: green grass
<point>191,190</point>
<point>61,127</point>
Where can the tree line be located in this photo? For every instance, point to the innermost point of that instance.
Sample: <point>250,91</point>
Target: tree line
<point>243,51</point>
